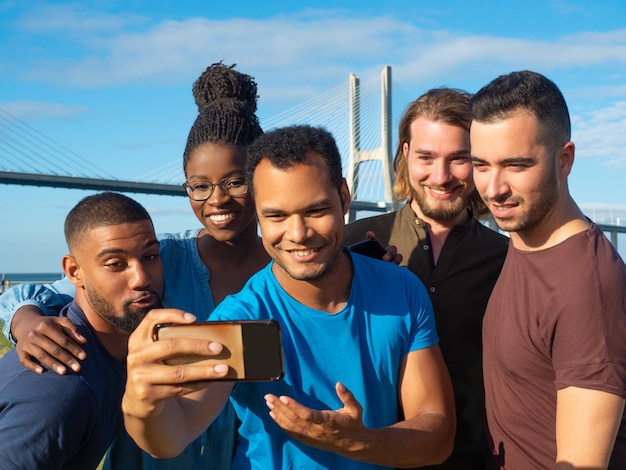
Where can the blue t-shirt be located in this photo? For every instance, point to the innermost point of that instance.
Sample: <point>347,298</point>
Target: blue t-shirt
<point>52,421</point>
<point>388,315</point>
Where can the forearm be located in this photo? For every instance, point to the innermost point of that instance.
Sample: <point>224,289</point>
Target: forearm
<point>424,440</point>
<point>165,429</point>
<point>49,298</point>
<point>162,435</point>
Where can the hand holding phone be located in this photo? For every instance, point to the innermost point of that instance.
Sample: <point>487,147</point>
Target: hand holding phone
<point>369,247</point>
<point>251,348</point>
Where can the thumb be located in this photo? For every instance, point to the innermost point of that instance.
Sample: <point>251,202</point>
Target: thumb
<point>351,405</point>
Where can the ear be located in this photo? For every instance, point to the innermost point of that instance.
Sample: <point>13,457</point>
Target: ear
<point>72,270</point>
<point>565,160</point>
<point>405,149</point>
<point>344,194</point>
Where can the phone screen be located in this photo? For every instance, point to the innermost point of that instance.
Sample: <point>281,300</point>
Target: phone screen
<point>252,348</point>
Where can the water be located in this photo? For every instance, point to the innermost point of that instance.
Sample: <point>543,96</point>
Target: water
<point>10,279</point>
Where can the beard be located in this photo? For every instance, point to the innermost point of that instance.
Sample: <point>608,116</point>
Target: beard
<point>439,210</point>
<point>131,316</point>
<point>535,210</point>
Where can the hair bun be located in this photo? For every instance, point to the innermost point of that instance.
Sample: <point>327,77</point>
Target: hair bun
<point>220,84</point>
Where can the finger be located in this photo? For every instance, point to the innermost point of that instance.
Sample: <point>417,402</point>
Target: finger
<point>160,316</point>
<point>177,349</point>
<point>351,406</point>
<point>27,361</point>
<point>73,332</point>
<point>173,381</point>
<point>47,353</point>
<point>290,414</point>
<point>58,340</point>
<point>370,234</point>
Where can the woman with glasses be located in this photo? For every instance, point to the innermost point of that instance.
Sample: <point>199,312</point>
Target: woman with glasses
<point>201,266</point>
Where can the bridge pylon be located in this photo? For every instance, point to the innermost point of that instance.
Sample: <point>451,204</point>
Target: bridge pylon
<point>383,153</point>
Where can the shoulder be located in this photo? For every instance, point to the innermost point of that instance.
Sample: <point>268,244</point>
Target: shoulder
<point>384,274</point>
<point>381,226</point>
<point>179,253</point>
<point>49,414</point>
<point>178,239</point>
<point>48,396</point>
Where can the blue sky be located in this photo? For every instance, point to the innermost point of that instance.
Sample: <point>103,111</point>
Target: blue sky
<point>111,81</point>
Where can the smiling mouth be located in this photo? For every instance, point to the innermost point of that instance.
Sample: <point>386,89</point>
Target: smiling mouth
<point>441,192</point>
<point>306,252</point>
<point>221,217</point>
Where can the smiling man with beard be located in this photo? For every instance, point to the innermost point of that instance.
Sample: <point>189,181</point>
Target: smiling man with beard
<point>67,422</point>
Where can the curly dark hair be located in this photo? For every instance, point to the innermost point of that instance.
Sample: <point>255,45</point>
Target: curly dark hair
<point>288,146</point>
<point>227,103</point>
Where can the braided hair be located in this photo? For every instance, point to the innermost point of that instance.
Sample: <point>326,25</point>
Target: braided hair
<point>227,102</point>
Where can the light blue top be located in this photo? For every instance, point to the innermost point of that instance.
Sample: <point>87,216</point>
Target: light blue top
<point>388,315</point>
<point>186,288</point>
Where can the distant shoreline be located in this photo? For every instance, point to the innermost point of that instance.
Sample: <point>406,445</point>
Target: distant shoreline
<point>8,280</point>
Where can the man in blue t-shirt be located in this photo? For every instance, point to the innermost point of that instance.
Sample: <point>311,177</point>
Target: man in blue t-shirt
<point>55,422</point>
<point>359,339</point>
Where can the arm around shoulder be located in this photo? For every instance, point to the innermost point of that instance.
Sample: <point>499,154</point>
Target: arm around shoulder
<point>49,298</point>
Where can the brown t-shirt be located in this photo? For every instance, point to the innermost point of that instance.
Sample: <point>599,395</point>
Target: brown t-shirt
<point>556,318</point>
<point>459,287</point>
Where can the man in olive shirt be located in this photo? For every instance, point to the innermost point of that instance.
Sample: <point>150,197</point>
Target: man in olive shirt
<point>441,240</point>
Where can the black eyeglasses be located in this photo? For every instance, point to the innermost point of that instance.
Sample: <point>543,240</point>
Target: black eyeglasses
<point>235,187</point>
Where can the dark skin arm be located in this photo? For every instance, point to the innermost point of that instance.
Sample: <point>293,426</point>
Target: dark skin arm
<point>48,340</point>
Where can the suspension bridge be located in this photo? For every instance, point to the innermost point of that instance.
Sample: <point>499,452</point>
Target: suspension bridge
<point>358,113</point>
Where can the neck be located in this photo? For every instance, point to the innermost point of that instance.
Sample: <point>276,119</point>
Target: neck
<point>438,230</point>
<point>328,294</point>
<point>114,340</point>
<point>564,220</point>
<point>247,244</point>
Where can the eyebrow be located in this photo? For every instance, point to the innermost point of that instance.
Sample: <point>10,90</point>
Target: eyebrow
<point>508,161</point>
<point>119,251</point>
<point>230,174</point>
<point>429,152</point>
<point>314,205</point>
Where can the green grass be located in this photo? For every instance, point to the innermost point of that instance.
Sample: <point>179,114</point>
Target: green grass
<point>5,344</point>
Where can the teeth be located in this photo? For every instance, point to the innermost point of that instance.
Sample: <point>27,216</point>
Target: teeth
<point>221,217</point>
<point>303,252</point>
<point>439,191</point>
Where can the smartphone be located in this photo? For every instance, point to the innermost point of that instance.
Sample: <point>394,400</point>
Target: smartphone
<point>369,247</point>
<point>252,348</point>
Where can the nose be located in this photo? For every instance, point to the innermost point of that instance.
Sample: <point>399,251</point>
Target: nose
<point>496,186</point>
<point>440,172</point>
<point>297,229</point>
<point>217,196</point>
<point>139,277</point>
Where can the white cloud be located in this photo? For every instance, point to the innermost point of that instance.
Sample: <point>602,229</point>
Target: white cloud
<point>32,110</point>
<point>286,51</point>
<point>74,19</point>
<point>601,133</point>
